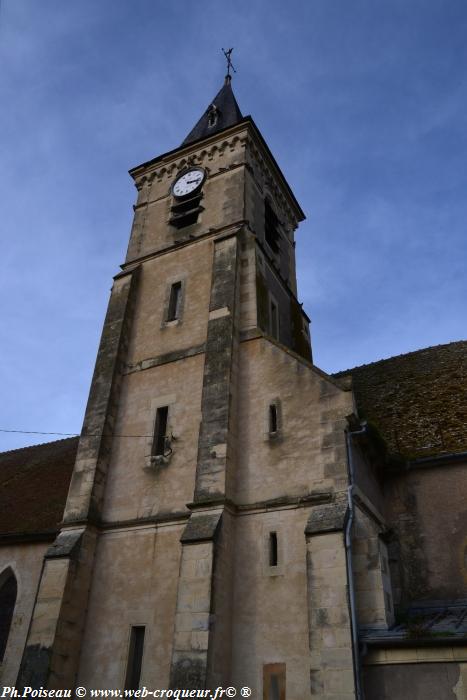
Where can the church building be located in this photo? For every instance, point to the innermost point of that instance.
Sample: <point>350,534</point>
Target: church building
<point>231,515</point>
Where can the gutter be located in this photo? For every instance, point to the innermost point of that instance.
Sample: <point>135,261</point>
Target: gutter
<point>348,555</point>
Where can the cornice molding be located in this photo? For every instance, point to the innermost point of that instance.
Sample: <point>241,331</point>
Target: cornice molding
<point>260,168</point>
<point>207,154</point>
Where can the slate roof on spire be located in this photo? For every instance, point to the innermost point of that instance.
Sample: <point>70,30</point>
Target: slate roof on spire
<point>221,113</point>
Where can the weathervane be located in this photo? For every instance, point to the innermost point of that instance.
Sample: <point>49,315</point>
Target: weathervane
<point>227,54</point>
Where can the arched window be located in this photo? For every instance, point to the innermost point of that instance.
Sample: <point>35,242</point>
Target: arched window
<point>8,592</point>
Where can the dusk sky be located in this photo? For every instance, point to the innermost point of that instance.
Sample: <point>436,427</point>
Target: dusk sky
<point>362,102</point>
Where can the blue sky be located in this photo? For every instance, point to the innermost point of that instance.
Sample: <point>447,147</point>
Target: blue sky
<point>362,102</point>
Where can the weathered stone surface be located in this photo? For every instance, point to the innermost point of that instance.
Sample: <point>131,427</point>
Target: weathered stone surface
<point>328,616</point>
<point>35,666</point>
<point>429,681</point>
<point>188,672</point>
<point>203,601</point>
<point>426,509</point>
<point>201,528</point>
<point>166,358</point>
<point>216,404</point>
<point>88,480</point>
<point>66,545</point>
<point>327,518</point>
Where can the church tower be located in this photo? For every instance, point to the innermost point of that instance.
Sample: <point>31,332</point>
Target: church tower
<point>205,513</point>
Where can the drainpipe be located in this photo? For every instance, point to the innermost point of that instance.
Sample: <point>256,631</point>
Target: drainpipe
<point>348,553</point>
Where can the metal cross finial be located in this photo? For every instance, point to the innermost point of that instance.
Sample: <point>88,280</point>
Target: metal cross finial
<point>227,54</point>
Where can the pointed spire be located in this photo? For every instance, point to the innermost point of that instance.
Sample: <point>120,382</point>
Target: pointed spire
<point>221,113</point>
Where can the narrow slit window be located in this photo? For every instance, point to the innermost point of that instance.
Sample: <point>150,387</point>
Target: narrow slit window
<point>173,311</point>
<point>135,658</point>
<point>273,419</point>
<point>160,431</point>
<point>273,549</point>
<point>274,320</point>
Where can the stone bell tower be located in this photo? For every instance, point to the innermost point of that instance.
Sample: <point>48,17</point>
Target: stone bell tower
<point>209,441</point>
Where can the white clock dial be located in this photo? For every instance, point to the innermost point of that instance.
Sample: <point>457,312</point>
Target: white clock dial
<point>188,182</point>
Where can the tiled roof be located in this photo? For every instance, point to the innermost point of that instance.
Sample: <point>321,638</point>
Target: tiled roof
<point>34,485</point>
<point>417,401</point>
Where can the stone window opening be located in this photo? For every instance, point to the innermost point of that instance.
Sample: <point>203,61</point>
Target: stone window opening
<point>272,419</point>
<point>174,302</point>
<point>271,228</point>
<point>273,551</point>
<point>135,658</point>
<point>173,311</point>
<point>161,441</point>
<point>213,114</point>
<point>185,212</point>
<point>8,594</point>
<point>273,319</point>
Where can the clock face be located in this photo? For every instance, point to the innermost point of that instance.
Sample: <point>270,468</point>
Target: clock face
<point>188,182</point>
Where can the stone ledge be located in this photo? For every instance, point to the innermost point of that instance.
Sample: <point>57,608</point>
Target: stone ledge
<point>67,544</point>
<point>166,358</point>
<point>201,528</point>
<point>327,518</point>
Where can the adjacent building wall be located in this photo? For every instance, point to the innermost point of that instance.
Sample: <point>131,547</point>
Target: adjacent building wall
<point>424,674</point>
<point>426,508</point>
<point>25,560</point>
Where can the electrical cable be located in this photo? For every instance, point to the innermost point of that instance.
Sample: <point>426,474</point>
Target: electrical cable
<point>40,432</point>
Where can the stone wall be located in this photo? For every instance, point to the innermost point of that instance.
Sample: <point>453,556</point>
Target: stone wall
<point>424,674</point>
<point>308,454</point>
<point>370,563</point>
<point>25,560</point>
<point>426,508</point>
<point>222,200</point>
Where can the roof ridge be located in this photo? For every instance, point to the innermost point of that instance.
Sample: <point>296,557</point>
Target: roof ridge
<point>39,444</point>
<point>394,357</point>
